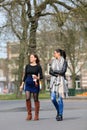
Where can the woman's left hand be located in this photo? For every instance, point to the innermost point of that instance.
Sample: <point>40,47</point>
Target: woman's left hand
<point>35,77</point>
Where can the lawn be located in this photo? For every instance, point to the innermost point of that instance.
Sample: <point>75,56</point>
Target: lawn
<point>43,95</point>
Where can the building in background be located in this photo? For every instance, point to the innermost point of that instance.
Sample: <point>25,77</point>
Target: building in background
<point>81,78</point>
<point>12,57</point>
<point>9,67</point>
<point>3,75</point>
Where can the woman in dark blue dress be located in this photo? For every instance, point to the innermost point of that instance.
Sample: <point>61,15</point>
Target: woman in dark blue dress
<point>33,74</point>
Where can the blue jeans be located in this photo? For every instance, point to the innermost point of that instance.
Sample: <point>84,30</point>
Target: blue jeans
<point>58,104</point>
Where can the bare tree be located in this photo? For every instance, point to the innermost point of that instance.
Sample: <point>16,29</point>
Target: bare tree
<point>35,10</point>
<point>72,39</point>
<point>39,10</point>
<point>19,24</point>
<point>28,13</point>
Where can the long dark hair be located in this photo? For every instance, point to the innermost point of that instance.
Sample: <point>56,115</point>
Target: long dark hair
<point>62,53</point>
<point>36,56</point>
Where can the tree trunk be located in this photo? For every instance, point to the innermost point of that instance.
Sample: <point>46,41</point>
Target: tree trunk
<point>23,44</point>
<point>73,80</point>
<point>32,40</point>
<point>20,68</point>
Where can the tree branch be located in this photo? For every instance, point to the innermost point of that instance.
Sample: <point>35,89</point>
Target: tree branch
<point>47,13</point>
<point>35,4</point>
<point>29,8</point>
<point>43,5</point>
<point>56,9</point>
<point>4,26</point>
<point>82,3</point>
<point>63,4</point>
<point>13,28</point>
<point>2,1</point>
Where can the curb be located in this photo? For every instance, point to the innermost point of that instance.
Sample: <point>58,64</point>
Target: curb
<point>76,98</point>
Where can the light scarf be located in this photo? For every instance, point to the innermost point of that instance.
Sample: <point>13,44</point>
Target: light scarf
<point>56,64</point>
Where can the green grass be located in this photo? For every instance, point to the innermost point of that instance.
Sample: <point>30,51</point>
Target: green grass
<point>43,95</point>
<point>9,97</point>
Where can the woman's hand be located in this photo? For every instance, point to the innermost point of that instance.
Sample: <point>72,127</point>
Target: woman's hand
<point>21,87</point>
<point>35,77</point>
<point>51,72</point>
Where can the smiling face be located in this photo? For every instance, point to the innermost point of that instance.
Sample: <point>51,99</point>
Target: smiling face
<point>32,59</point>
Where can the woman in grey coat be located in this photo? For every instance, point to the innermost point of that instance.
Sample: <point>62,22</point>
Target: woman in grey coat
<point>58,81</point>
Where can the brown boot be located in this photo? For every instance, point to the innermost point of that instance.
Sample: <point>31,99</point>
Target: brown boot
<point>28,106</point>
<point>37,106</point>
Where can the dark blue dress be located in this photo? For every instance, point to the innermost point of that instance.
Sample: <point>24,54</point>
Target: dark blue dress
<point>30,85</point>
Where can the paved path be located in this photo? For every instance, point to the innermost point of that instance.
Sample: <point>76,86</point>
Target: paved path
<point>13,114</point>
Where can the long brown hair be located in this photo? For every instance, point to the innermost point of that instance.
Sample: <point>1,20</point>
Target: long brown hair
<point>36,56</point>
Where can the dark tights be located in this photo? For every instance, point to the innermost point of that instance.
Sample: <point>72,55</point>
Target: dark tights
<point>28,96</point>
